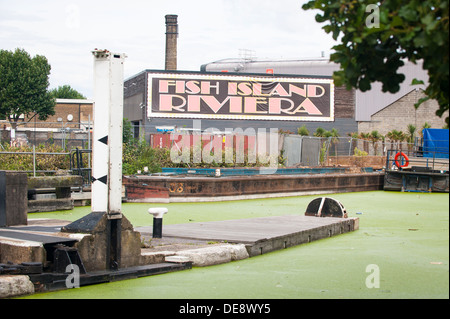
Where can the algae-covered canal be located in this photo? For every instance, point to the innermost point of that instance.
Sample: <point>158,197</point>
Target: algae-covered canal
<point>402,244</point>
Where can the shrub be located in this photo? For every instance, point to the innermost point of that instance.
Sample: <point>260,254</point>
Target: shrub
<point>358,152</point>
<point>137,155</point>
<point>22,160</point>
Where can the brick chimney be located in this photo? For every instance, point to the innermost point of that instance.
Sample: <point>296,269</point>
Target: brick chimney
<point>171,41</point>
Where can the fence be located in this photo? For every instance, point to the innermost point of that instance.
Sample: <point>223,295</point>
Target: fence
<point>68,135</point>
<point>76,161</point>
<point>314,151</point>
<point>297,150</point>
<point>436,162</point>
<point>19,155</point>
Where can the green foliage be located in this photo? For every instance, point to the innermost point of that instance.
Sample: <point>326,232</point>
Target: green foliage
<point>370,52</point>
<point>359,152</point>
<point>127,132</point>
<point>66,92</point>
<point>320,132</point>
<point>375,136</point>
<point>323,153</point>
<point>333,133</point>
<point>138,154</point>
<point>20,161</point>
<point>396,136</point>
<point>303,131</point>
<point>23,85</point>
<point>411,133</point>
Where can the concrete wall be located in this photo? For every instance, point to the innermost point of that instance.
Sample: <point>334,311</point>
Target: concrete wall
<point>13,198</point>
<point>185,187</point>
<point>93,245</point>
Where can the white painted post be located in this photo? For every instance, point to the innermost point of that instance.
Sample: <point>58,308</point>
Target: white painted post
<point>107,137</point>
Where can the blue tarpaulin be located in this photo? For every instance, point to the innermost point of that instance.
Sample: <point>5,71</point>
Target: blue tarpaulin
<point>435,143</point>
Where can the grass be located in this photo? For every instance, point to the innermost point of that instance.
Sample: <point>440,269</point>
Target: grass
<point>405,234</point>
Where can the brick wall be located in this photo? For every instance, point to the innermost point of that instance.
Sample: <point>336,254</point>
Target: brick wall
<point>38,132</point>
<point>344,103</point>
<point>401,113</point>
<point>80,113</point>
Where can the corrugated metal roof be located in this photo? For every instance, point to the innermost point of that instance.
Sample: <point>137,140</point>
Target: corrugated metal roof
<point>367,103</point>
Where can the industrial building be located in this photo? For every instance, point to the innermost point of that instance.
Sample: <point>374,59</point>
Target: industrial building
<point>354,111</point>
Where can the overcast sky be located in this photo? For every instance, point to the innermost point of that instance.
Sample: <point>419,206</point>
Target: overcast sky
<point>66,31</point>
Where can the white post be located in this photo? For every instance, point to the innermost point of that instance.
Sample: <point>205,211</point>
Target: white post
<point>107,136</point>
<point>34,160</point>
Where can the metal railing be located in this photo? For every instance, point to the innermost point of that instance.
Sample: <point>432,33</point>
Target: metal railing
<point>437,161</point>
<point>79,162</point>
<point>35,154</point>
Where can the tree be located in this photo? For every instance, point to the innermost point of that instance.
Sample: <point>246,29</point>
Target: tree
<point>303,131</point>
<point>333,137</point>
<point>377,36</point>
<point>375,136</point>
<point>23,86</point>
<point>66,92</point>
<point>424,126</point>
<point>365,137</point>
<point>411,133</point>
<point>410,136</point>
<point>127,132</point>
<point>320,132</point>
<point>334,133</point>
<point>396,137</point>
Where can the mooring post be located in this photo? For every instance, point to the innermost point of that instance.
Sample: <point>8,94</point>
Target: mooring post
<point>107,147</point>
<point>158,214</point>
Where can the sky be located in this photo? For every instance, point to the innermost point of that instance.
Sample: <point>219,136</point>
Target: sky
<point>66,31</point>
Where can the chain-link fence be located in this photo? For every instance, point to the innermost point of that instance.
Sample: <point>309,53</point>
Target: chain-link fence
<point>297,150</point>
<point>314,151</point>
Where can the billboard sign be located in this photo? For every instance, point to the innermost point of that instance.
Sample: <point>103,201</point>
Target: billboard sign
<point>226,96</point>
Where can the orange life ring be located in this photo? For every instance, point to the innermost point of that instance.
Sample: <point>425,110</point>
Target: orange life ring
<point>406,160</point>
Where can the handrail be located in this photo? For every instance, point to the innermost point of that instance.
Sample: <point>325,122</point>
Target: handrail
<point>434,163</point>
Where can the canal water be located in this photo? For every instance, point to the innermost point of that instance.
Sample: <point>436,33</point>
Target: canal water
<point>400,251</point>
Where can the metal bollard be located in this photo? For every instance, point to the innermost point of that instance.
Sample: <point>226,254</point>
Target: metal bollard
<point>158,213</point>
